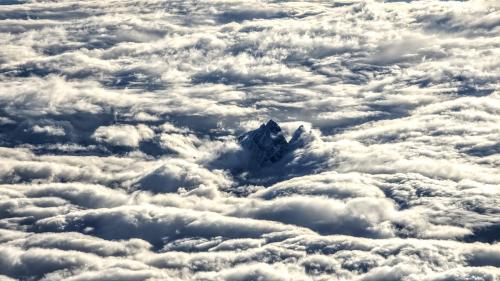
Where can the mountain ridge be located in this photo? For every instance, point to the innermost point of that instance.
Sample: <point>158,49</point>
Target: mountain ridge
<point>267,144</point>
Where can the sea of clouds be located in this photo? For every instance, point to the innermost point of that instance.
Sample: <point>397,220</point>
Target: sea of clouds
<point>119,124</point>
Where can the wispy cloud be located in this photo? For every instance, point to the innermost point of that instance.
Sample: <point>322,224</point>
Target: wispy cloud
<point>120,158</point>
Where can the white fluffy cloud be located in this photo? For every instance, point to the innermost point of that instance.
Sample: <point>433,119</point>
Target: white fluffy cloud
<point>123,135</point>
<point>119,153</point>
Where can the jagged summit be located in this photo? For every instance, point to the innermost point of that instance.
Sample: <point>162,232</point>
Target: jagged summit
<point>298,133</point>
<point>267,144</point>
<point>272,126</point>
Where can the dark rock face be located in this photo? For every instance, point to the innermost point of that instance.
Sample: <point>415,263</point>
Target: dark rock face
<point>297,138</point>
<point>266,145</point>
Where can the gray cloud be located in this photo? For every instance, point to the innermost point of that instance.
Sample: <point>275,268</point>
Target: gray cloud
<point>120,159</point>
<point>155,225</point>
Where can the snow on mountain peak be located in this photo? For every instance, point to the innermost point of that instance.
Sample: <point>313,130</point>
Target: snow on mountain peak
<point>266,144</point>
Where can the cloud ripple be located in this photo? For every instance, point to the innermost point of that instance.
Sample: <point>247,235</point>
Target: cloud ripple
<point>119,156</point>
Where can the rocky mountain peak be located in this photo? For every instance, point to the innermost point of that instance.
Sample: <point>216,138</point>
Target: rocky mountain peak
<point>266,144</point>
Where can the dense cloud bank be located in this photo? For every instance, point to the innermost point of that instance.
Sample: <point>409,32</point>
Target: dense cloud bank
<point>123,153</point>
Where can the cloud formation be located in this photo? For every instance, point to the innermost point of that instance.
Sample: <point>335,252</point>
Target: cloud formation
<point>120,156</point>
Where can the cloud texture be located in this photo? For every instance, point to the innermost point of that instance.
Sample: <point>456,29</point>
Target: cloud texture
<point>119,157</point>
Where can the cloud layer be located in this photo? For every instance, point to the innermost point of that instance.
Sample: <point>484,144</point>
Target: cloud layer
<point>119,157</point>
